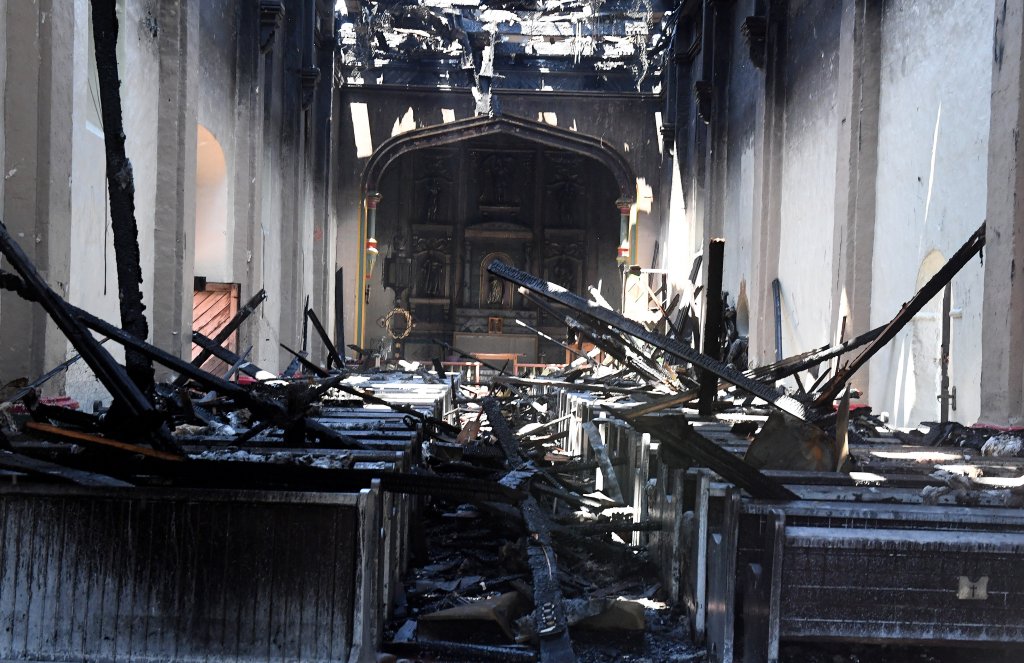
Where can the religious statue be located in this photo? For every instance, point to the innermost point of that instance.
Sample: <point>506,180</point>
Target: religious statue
<point>433,199</point>
<point>431,276</point>
<point>495,291</point>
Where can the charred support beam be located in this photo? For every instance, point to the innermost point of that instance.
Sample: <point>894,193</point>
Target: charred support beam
<point>230,328</point>
<point>109,372</point>
<point>227,356</point>
<point>679,441</point>
<point>671,346</point>
<point>930,289</point>
<point>121,187</point>
<point>333,358</point>
<point>712,324</point>
<point>549,615</point>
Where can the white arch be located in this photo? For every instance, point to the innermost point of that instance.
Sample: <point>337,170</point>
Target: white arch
<point>212,242</point>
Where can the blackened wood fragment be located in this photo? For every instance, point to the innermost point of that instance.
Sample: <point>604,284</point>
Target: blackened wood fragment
<point>712,324</point>
<point>121,188</point>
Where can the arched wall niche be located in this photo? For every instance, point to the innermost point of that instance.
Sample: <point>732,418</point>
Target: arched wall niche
<point>212,239</point>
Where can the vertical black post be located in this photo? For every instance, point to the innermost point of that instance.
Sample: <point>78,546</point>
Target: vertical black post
<point>944,395</point>
<point>339,310</point>
<point>777,298</point>
<point>121,188</point>
<point>712,324</point>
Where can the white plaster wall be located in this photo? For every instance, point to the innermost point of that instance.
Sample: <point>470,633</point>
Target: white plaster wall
<point>807,188</point>
<point>93,281</point>
<point>737,221</point>
<point>3,92</point>
<point>931,190</point>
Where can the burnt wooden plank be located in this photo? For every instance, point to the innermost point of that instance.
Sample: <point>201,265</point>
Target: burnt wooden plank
<point>671,346</point>
<point>935,284</point>
<point>85,439</point>
<point>15,461</point>
<point>678,437</point>
<point>228,329</point>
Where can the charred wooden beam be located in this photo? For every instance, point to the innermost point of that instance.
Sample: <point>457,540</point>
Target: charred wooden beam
<point>549,614</point>
<point>930,289</point>
<point>45,377</point>
<point>121,188</point>
<point>712,324</point>
<point>34,466</point>
<point>50,432</point>
<point>333,358</point>
<point>212,347</point>
<point>623,324</point>
<point>804,361</point>
<point>679,440</point>
<point>226,331</point>
<point>113,376</point>
<point>305,363</point>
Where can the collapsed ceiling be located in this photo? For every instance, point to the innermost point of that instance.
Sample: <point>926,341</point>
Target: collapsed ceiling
<point>550,44</point>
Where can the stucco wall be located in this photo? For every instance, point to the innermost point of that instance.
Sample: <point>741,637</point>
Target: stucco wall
<point>931,195</point>
<point>809,151</point>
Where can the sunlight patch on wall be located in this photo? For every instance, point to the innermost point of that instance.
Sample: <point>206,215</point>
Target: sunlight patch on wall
<point>361,129</point>
<point>405,123</point>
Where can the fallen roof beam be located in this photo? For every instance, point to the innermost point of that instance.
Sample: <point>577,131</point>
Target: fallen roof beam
<point>333,358</point>
<point>935,284</point>
<point>678,437</point>
<point>549,614</point>
<point>226,331</point>
<point>32,286</point>
<point>213,348</point>
<point>624,324</point>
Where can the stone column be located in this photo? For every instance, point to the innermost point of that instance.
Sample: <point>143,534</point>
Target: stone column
<point>1002,364</point>
<point>36,169</point>
<point>860,44</point>
<point>175,208</point>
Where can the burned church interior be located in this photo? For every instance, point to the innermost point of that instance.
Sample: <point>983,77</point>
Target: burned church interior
<point>384,331</point>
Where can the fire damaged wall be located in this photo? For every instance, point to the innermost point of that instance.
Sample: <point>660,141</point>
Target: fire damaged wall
<point>226,108</point>
<point>842,149</point>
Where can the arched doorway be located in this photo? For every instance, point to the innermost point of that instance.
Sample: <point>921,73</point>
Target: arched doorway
<point>929,334</point>
<point>451,198</point>
<point>215,296</point>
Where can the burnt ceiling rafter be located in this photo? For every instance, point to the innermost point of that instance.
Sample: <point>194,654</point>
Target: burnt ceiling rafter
<point>476,127</point>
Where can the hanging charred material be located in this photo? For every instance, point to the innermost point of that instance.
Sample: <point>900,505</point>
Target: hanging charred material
<point>121,187</point>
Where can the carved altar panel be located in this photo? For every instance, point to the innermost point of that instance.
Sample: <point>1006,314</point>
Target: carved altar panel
<point>564,258</point>
<point>564,190</point>
<point>431,268</point>
<point>501,183</point>
<point>434,186</point>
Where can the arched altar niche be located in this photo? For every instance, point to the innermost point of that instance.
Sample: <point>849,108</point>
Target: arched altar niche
<point>495,293</point>
<point>445,201</point>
